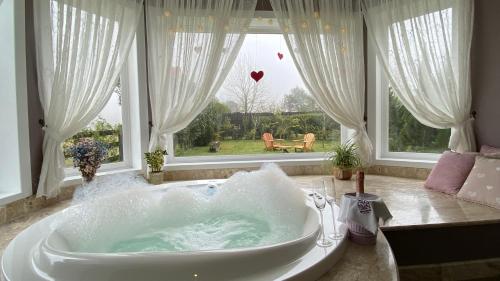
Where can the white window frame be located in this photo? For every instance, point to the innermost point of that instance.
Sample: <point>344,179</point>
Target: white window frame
<point>134,98</point>
<point>248,160</point>
<point>15,181</point>
<point>378,118</point>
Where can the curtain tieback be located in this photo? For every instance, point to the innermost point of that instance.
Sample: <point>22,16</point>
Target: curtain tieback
<point>157,132</point>
<point>53,134</point>
<point>464,122</point>
<point>361,127</point>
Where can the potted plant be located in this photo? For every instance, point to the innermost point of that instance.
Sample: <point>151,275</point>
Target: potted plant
<point>155,162</point>
<point>88,155</point>
<point>344,159</point>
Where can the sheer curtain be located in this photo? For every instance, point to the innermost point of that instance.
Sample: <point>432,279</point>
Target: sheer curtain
<point>192,46</point>
<point>81,47</point>
<point>424,47</point>
<point>325,39</point>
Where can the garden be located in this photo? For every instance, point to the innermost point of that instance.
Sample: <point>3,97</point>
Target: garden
<point>241,133</point>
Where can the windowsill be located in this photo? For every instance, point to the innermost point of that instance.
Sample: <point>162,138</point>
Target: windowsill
<point>414,163</point>
<point>8,197</point>
<point>180,166</point>
<point>77,179</point>
<point>254,163</point>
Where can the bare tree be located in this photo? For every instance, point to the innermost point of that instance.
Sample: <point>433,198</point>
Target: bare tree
<point>250,96</point>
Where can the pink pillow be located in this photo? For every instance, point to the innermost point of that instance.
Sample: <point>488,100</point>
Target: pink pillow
<point>450,172</point>
<point>486,149</point>
<point>483,183</point>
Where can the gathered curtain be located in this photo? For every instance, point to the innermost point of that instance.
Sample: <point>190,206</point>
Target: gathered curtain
<point>192,45</point>
<point>325,39</point>
<point>81,46</point>
<point>424,48</point>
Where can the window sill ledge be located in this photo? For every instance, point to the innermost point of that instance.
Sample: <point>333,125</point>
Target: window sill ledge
<point>181,166</point>
<point>6,198</point>
<point>413,163</point>
<point>72,180</point>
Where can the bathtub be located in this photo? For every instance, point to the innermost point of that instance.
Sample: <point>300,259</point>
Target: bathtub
<point>42,253</point>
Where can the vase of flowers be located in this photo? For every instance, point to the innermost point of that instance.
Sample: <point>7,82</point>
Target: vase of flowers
<point>88,155</point>
<point>344,159</point>
<point>155,160</point>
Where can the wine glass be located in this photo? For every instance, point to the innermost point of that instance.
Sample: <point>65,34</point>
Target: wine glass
<point>320,202</point>
<point>329,187</point>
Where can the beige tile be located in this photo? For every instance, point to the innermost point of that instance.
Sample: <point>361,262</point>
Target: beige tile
<point>3,215</point>
<point>15,209</point>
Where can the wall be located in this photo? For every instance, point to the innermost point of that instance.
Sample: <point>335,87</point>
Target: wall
<point>35,111</point>
<point>485,71</point>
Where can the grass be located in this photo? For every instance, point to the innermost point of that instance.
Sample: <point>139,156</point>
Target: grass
<point>241,147</point>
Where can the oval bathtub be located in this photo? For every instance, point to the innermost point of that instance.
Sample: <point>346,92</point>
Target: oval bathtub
<point>58,248</point>
<point>55,259</point>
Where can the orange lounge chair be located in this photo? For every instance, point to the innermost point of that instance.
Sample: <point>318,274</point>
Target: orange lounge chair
<point>271,143</point>
<point>307,143</point>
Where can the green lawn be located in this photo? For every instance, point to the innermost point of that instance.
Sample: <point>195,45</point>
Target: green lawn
<point>240,147</point>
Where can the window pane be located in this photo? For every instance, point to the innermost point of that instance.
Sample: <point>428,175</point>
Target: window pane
<point>406,134</point>
<point>106,128</point>
<point>244,110</point>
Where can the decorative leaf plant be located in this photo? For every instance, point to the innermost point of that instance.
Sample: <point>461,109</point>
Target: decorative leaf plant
<point>345,156</point>
<point>155,159</point>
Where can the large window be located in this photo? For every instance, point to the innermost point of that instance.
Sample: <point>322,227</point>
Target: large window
<point>398,134</point>
<point>243,111</point>
<point>406,134</point>
<point>106,128</point>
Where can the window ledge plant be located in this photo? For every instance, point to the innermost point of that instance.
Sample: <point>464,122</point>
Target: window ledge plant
<point>155,162</point>
<point>344,159</point>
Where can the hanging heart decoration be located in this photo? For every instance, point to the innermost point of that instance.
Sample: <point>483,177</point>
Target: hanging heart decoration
<point>280,55</point>
<point>257,75</point>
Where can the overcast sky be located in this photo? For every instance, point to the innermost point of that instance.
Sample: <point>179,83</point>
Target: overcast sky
<point>280,76</point>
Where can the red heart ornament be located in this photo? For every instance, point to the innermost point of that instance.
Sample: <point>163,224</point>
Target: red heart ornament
<point>257,75</point>
<point>280,55</point>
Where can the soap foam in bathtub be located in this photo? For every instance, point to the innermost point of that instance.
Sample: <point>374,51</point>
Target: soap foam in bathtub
<point>250,209</point>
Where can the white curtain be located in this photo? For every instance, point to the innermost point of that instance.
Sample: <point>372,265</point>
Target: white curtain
<point>192,46</point>
<point>325,39</point>
<point>81,46</point>
<point>424,47</point>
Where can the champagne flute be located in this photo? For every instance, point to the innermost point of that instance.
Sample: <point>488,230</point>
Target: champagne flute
<point>320,202</point>
<point>329,186</point>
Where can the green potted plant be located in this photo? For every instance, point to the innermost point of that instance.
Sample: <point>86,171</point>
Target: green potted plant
<point>344,159</point>
<point>155,162</point>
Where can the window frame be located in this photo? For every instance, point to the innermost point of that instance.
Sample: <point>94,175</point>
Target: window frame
<point>135,113</point>
<point>126,139</point>
<point>378,115</point>
<point>19,182</point>
<point>194,162</point>
<point>134,98</point>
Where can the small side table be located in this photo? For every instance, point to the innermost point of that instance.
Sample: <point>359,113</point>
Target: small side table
<point>361,214</point>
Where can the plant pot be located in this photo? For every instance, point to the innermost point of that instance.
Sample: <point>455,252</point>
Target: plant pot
<point>342,174</point>
<point>155,177</point>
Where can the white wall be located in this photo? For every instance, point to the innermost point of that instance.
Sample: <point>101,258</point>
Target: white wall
<point>15,173</point>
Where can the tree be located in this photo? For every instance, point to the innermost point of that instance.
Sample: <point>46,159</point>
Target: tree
<point>247,93</point>
<point>407,134</point>
<point>250,96</point>
<point>205,128</point>
<point>298,100</point>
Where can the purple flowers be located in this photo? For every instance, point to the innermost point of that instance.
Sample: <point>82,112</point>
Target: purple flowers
<point>87,155</point>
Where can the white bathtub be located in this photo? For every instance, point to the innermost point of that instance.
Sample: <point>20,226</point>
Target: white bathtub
<point>41,253</point>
